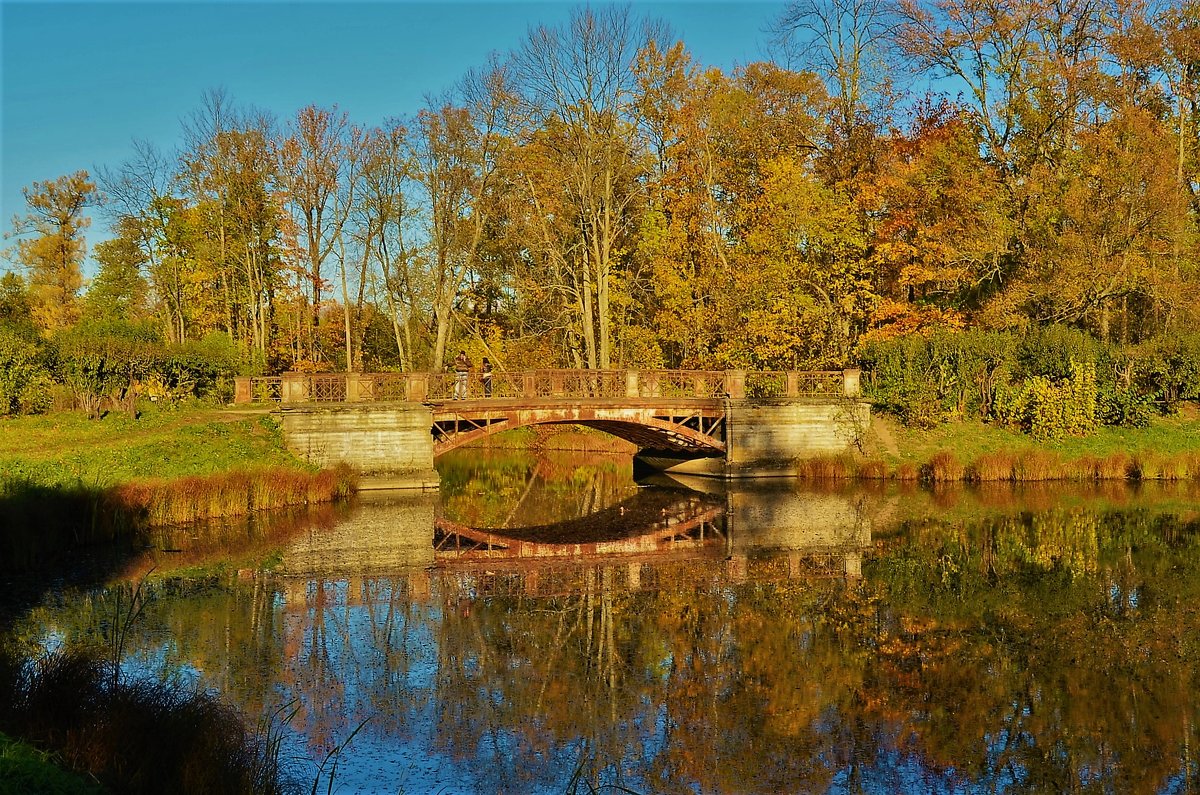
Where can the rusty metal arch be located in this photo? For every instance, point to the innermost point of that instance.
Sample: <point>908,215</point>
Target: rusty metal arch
<point>650,432</point>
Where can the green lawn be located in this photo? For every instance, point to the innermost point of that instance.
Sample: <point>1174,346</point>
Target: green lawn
<point>968,440</point>
<point>67,448</point>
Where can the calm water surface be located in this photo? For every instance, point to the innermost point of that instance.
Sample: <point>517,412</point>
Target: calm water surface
<point>546,624</point>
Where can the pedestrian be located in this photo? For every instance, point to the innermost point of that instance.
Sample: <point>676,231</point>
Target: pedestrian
<point>485,376</point>
<point>462,366</point>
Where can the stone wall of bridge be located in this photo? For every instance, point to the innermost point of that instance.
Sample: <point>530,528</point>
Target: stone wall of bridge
<point>391,445</point>
<point>765,438</point>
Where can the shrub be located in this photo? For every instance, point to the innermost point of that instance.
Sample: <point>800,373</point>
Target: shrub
<point>1168,368</point>
<point>102,362</point>
<point>134,736</point>
<point>1125,407</point>
<point>25,382</point>
<point>1051,410</point>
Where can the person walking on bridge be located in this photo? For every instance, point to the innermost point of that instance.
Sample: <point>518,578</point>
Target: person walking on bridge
<point>462,366</point>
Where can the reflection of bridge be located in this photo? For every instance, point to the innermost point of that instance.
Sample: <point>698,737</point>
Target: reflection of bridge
<point>660,536</point>
<point>687,523</point>
<point>383,423</point>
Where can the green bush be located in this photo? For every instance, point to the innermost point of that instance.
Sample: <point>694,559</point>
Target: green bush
<point>926,380</point>
<point>100,363</point>
<point>25,381</point>
<point>1169,368</point>
<point>202,369</point>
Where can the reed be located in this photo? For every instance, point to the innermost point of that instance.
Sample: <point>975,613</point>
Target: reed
<point>1113,467</point>
<point>907,472</point>
<point>824,468</point>
<point>45,522</point>
<point>1037,466</point>
<point>873,469</point>
<point>991,468</point>
<point>133,736</point>
<point>1085,468</point>
<point>195,498</point>
<point>1156,466</point>
<point>944,467</point>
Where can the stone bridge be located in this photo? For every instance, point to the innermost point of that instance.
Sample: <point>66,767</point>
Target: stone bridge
<point>392,426</point>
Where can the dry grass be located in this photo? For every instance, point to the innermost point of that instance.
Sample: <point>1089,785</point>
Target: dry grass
<point>1037,466</point>
<point>873,469</point>
<point>43,523</point>
<point>944,467</point>
<point>1028,466</point>
<point>991,468</point>
<point>824,468</point>
<point>193,499</point>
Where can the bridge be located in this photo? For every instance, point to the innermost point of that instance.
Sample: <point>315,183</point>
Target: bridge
<point>731,423</point>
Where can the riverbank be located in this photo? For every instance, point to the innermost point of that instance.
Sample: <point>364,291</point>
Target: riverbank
<point>66,481</point>
<point>1168,449</point>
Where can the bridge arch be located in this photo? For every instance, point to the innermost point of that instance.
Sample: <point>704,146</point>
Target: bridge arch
<point>694,430</point>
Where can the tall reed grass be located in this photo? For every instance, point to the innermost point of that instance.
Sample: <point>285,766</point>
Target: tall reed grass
<point>1028,466</point>
<point>134,736</point>
<point>198,498</point>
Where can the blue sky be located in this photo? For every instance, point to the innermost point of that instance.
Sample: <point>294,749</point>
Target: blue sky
<point>81,80</point>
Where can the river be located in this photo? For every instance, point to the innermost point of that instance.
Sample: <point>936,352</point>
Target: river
<point>548,624</point>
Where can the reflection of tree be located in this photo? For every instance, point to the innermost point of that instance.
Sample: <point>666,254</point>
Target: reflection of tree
<point>513,488</point>
<point>1042,651</point>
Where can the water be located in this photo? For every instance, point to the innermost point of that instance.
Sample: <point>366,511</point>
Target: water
<point>546,624</point>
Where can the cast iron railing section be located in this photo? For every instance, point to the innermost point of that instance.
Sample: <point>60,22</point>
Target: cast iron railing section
<point>542,385</point>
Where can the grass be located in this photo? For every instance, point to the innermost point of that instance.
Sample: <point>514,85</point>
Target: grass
<point>1168,450</point>
<point>970,441</point>
<point>67,448</point>
<point>66,481</point>
<point>24,770</point>
<point>39,525</point>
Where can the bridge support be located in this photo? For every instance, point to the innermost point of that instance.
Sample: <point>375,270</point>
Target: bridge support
<point>764,438</point>
<point>389,444</point>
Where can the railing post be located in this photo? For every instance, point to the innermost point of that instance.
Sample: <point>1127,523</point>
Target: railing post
<point>735,384</point>
<point>631,384</point>
<point>793,384</point>
<point>242,392</point>
<point>417,387</point>
<point>852,382</point>
<point>353,387</point>
<point>529,384</point>
<point>293,388</point>
<point>698,386</point>
<point>556,384</point>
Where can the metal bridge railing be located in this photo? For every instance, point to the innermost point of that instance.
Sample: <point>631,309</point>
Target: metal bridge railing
<point>547,385</point>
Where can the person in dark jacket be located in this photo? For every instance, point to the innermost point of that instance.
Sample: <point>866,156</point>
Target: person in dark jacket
<point>462,366</point>
<point>485,377</point>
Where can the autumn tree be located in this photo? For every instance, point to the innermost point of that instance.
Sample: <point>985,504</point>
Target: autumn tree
<point>52,247</point>
<point>119,291</point>
<point>317,162</point>
<point>582,176</point>
<point>455,153</point>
